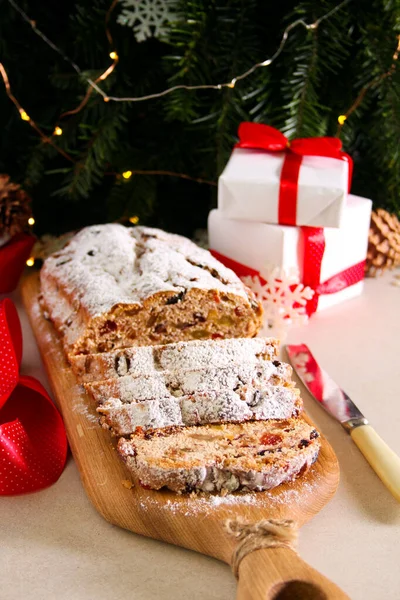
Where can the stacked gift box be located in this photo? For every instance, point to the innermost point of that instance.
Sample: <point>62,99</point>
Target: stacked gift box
<point>286,204</point>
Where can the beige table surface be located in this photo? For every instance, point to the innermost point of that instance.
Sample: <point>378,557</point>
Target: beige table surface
<point>53,544</point>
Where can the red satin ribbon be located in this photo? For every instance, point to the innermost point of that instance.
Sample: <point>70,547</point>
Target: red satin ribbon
<point>13,256</point>
<point>33,444</point>
<point>287,203</point>
<point>313,240</point>
<point>312,270</point>
<point>269,139</point>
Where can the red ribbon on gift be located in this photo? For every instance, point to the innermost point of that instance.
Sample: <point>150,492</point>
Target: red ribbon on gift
<point>267,138</point>
<point>314,246</point>
<point>313,239</point>
<point>33,444</point>
<point>13,256</point>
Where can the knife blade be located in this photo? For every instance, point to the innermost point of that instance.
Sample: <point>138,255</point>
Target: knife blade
<point>339,405</point>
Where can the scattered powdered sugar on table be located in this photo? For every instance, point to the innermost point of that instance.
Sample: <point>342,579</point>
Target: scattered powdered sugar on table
<point>197,505</point>
<point>231,499</point>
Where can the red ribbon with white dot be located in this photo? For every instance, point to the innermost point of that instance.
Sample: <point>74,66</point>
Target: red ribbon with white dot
<point>33,444</point>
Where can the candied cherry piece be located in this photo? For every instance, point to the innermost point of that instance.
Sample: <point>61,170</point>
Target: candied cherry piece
<point>270,439</point>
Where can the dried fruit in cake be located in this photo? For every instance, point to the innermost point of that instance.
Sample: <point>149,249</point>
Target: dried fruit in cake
<point>257,455</point>
<point>114,287</point>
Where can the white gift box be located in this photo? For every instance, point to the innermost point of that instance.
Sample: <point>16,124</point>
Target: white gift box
<point>248,188</point>
<point>261,246</point>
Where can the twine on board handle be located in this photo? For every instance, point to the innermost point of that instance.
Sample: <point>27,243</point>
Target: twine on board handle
<point>268,533</point>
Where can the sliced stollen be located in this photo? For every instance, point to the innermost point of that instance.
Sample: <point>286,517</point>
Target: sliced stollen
<point>272,402</point>
<point>257,455</point>
<point>244,379</point>
<point>113,287</point>
<point>180,356</point>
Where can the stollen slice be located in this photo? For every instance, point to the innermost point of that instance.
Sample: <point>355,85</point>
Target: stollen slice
<point>244,379</point>
<point>180,356</point>
<point>257,455</point>
<point>273,402</point>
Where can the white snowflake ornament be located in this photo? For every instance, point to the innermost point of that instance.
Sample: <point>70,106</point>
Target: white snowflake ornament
<point>283,298</point>
<point>148,18</point>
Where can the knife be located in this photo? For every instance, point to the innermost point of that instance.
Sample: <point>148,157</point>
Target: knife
<point>337,403</point>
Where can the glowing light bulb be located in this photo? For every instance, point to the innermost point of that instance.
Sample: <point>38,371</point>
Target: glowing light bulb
<point>127,174</point>
<point>113,55</point>
<point>30,262</point>
<point>134,220</point>
<point>232,83</point>
<point>57,131</point>
<point>24,115</point>
<point>342,119</point>
<point>31,221</point>
<point>106,99</point>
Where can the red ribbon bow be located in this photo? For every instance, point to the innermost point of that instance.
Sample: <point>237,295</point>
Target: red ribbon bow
<point>33,444</point>
<point>265,137</point>
<point>13,256</point>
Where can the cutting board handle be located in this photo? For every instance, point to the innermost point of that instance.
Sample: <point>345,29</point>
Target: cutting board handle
<point>280,574</point>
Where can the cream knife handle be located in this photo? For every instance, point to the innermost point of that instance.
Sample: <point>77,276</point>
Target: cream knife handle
<point>382,459</point>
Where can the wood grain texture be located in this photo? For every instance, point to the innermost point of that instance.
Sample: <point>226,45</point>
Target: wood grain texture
<point>192,522</point>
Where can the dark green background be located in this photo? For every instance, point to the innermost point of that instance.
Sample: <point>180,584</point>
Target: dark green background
<point>315,79</point>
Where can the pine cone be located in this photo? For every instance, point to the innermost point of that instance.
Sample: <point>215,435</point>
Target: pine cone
<point>15,209</point>
<point>383,243</point>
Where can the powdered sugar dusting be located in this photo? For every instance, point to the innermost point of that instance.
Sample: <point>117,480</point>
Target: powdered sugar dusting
<point>243,379</point>
<point>211,395</point>
<point>175,357</point>
<point>106,265</point>
<point>273,402</point>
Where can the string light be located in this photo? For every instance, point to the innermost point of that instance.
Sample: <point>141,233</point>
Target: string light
<point>30,262</point>
<point>115,58</point>
<point>218,86</point>
<point>25,117</point>
<point>113,55</point>
<point>31,221</point>
<point>128,174</point>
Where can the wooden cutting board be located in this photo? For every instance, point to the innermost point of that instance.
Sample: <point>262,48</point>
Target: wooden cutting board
<point>196,523</point>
